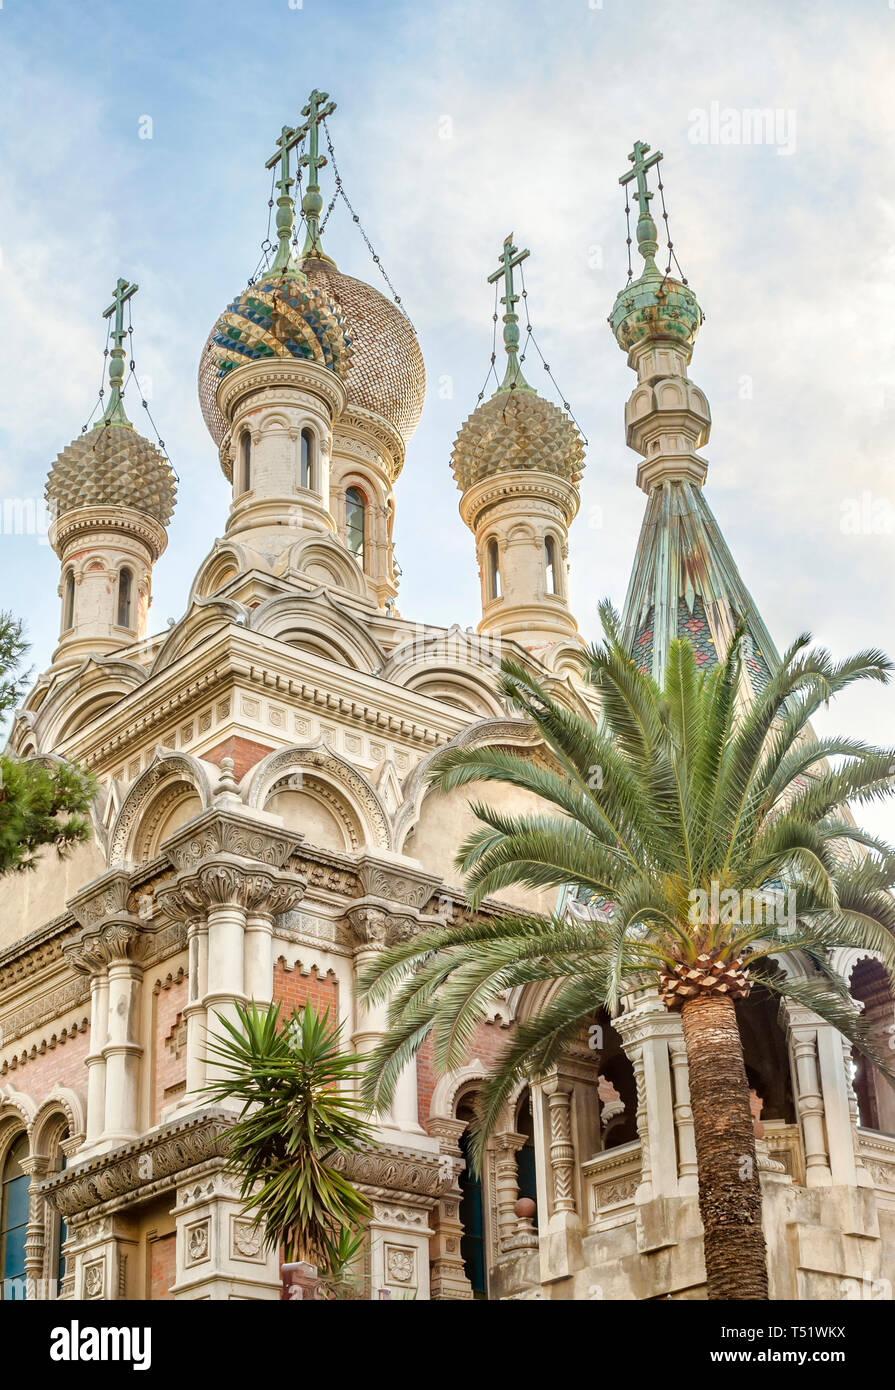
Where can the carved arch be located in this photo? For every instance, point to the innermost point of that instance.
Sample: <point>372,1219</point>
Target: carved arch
<point>314,622</point>
<point>509,732</point>
<point>154,791</point>
<point>206,618</point>
<point>62,1109</point>
<point>323,770</point>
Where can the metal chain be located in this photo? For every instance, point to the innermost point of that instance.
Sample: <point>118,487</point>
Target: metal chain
<point>671,252</point>
<point>628,223</point>
<point>492,370</point>
<point>102,380</point>
<point>340,193</point>
<point>531,337</point>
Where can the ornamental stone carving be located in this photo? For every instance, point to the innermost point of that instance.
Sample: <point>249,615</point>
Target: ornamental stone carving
<point>147,1165</point>
<point>225,832</point>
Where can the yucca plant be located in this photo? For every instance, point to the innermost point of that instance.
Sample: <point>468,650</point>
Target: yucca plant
<point>678,802</point>
<point>297,1117</point>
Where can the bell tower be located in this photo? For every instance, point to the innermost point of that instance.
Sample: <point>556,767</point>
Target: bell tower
<point>517,461</point>
<point>111,495</point>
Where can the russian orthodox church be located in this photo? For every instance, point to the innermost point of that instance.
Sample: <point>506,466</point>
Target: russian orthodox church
<point>264,826</point>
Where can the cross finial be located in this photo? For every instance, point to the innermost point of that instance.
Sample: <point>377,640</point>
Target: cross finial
<point>318,108</point>
<point>114,412</point>
<point>647,239</point>
<point>510,257</point>
<point>285,205</point>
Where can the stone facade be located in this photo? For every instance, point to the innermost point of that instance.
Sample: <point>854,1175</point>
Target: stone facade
<point>265,826</point>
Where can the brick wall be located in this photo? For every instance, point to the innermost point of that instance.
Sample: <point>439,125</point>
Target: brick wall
<point>292,989</point>
<point>169,1044</point>
<point>162,1267</point>
<point>243,751</point>
<point>487,1042</point>
<point>59,1060</point>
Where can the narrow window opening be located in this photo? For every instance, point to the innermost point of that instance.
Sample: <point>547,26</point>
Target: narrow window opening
<point>307,459</point>
<point>355,520</point>
<point>68,602</point>
<point>493,558</point>
<point>245,465</point>
<point>552,567</point>
<point>125,586</point>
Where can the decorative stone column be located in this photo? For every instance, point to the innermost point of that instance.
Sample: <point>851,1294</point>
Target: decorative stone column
<point>35,1236</point>
<point>447,1275</point>
<point>647,1031</point>
<point>390,910</point>
<point>512,1234</point>
<point>688,1179</point>
<point>109,948</point>
<point>231,882</point>
<point>560,1244</point>
<point>802,1028</point>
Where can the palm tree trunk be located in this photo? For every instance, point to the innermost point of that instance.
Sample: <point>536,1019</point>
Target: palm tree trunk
<point>729,1190</point>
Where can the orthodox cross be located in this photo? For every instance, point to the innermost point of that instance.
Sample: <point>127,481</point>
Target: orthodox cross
<point>647,240</point>
<point>285,206</point>
<point>114,411</point>
<point>510,258</point>
<point>318,108</point>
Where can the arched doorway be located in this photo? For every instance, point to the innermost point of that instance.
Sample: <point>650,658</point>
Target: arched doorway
<point>472,1209</point>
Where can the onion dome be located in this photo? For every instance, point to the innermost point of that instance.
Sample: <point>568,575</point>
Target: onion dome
<point>517,432</point>
<point>112,466</point>
<point>655,306</point>
<point>381,364</point>
<point>282,315</point>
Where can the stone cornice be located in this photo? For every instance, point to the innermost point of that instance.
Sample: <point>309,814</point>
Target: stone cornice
<point>272,374</point>
<point>81,522</point>
<point>140,1170</point>
<point>518,487</point>
<point>237,655</point>
<point>364,423</point>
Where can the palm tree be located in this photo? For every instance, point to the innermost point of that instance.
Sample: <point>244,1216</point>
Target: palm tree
<point>296,1120</point>
<point>671,808</point>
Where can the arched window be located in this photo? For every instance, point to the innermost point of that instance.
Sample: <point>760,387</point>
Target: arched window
<point>245,462</point>
<point>68,602</point>
<point>355,521</point>
<point>307,459</point>
<point>552,567</point>
<point>125,586</point>
<point>14,1184</point>
<point>493,567</point>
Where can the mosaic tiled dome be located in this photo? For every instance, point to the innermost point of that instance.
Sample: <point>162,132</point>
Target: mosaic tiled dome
<point>385,373</point>
<point>655,306</point>
<point>113,466</point>
<point>517,430</point>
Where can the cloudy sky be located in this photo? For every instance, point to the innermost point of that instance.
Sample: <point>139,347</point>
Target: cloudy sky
<point>456,123</point>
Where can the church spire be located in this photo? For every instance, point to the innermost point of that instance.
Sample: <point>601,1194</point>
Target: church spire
<point>114,413</point>
<point>318,108</point>
<point>647,238</point>
<point>511,256</point>
<point>685,582</point>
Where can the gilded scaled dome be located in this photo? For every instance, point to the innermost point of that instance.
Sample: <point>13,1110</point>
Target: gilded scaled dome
<point>112,466</point>
<point>385,372</point>
<point>517,430</point>
<point>655,306</point>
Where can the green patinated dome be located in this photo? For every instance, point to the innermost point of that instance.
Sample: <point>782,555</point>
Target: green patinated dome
<point>655,306</point>
<point>112,466</point>
<point>517,430</point>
